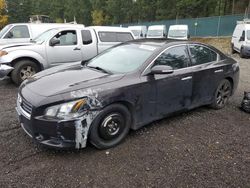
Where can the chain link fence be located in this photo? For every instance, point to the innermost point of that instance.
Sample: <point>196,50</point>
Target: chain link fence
<point>202,27</point>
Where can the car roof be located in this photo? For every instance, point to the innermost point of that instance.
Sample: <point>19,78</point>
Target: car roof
<point>163,43</point>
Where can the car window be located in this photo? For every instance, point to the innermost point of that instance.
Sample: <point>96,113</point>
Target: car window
<point>123,37</point>
<point>124,58</point>
<point>66,38</point>
<point>115,36</point>
<point>86,37</point>
<point>19,31</point>
<point>201,55</point>
<point>175,57</point>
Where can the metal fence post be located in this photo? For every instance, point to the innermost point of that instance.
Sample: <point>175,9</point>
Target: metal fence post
<point>218,27</point>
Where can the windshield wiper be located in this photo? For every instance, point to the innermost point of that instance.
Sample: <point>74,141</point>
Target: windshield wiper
<point>100,69</point>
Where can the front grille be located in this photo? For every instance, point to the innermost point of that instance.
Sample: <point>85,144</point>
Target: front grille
<point>26,106</point>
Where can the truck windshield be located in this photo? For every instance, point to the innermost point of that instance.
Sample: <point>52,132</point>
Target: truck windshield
<point>248,35</point>
<point>122,59</point>
<point>177,33</point>
<point>45,36</point>
<point>4,30</point>
<point>155,33</point>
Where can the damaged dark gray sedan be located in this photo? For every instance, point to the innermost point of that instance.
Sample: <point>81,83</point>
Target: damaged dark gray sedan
<point>126,87</point>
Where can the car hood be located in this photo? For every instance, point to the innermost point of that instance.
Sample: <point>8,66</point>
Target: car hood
<point>67,78</point>
<point>14,45</point>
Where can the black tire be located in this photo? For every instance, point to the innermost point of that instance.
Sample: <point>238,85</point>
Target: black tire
<point>222,94</point>
<point>18,75</point>
<point>241,53</point>
<point>232,49</point>
<point>110,127</point>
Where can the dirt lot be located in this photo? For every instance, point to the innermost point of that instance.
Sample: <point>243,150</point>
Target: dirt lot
<point>201,148</point>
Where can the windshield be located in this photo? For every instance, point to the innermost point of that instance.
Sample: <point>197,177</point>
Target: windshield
<point>248,35</point>
<point>45,36</point>
<point>155,33</point>
<point>4,30</point>
<point>177,33</point>
<point>122,59</point>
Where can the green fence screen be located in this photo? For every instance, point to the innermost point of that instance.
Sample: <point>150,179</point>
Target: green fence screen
<point>202,27</point>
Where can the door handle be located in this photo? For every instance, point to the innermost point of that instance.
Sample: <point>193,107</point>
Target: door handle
<point>187,78</point>
<point>218,71</point>
<point>76,48</point>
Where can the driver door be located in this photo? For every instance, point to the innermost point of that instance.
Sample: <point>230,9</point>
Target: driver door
<point>67,50</point>
<point>174,91</point>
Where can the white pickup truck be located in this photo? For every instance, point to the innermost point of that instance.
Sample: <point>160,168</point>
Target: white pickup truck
<point>58,46</point>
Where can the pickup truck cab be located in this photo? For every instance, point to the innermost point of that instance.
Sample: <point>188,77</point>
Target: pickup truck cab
<point>241,38</point>
<point>56,47</point>
<point>23,32</point>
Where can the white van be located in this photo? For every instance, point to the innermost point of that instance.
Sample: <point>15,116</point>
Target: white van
<point>241,38</point>
<point>139,31</point>
<point>23,32</point>
<point>179,32</point>
<point>157,31</point>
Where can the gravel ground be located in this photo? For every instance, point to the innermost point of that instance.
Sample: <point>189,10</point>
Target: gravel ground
<point>200,148</point>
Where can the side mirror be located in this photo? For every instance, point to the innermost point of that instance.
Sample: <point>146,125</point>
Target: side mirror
<point>188,36</point>
<point>54,42</point>
<point>141,35</point>
<point>162,69</point>
<point>84,62</point>
<point>242,38</point>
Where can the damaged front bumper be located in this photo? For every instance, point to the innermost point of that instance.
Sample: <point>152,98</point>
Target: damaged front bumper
<point>5,70</point>
<point>56,134</point>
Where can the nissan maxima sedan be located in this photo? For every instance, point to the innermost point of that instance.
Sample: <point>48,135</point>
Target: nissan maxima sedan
<point>124,88</point>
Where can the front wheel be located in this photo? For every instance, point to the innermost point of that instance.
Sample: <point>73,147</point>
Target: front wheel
<point>110,127</point>
<point>23,70</point>
<point>222,94</point>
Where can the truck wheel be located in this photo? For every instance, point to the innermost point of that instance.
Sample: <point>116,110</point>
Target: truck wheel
<point>110,127</point>
<point>222,94</point>
<point>232,49</point>
<point>22,70</point>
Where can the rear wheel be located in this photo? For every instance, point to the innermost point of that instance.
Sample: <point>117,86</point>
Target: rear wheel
<point>23,70</point>
<point>222,94</point>
<point>110,127</point>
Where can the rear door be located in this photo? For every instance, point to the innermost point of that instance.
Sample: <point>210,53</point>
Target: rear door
<point>88,44</point>
<point>67,51</point>
<point>207,73</point>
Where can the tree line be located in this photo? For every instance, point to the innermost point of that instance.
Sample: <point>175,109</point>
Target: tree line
<point>109,12</point>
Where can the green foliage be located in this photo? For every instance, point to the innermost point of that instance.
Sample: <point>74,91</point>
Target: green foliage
<point>105,12</point>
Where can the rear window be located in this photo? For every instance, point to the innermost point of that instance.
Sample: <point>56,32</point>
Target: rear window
<point>201,54</point>
<point>115,36</point>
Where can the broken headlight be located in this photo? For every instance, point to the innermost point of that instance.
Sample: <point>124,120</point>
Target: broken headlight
<point>68,110</point>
